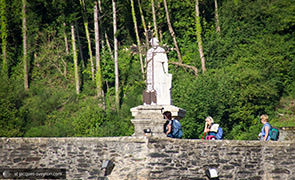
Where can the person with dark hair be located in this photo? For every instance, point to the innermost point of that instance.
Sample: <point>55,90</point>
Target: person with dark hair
<point>172,128</point>
<point>168,124</point>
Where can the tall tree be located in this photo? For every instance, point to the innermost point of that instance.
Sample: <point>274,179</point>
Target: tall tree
<point>24,30</point>
<point>116,56</point>
<point>154,19</point>
<point>80,45</point>
<point>97,53</point>
<point>137,37</point>
<point>217,26</point>
<point>199,37</point>
<point>75,58</point>
<point>85,20</point>
<point>172,31</point>
<point>66,39</point>
<point>105,33</point>
<point>4,36</point>
<point>144,25</point>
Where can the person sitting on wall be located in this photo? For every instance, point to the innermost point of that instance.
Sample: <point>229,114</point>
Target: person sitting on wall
<point>168,123</point>
<point>213,131</point>
<point>172,128</point>
<point>264,135</point>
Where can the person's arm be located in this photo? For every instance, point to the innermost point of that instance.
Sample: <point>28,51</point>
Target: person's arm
<point>206,129</point>
<point>266,129</point>
<point>169,129</point>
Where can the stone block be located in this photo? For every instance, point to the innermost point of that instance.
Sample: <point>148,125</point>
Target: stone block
<point>150,117</point>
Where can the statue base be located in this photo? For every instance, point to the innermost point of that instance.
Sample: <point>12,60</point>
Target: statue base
<point>148,119</point>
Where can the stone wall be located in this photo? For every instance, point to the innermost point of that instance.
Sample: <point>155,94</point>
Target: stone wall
<point>151,158</point>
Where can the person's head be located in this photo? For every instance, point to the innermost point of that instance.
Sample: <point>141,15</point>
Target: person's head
<point>264,118</point>
<point>167,115</point>
<point>209,120</point>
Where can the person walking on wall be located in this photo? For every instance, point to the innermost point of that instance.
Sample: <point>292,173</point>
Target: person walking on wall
<point>264,134</point>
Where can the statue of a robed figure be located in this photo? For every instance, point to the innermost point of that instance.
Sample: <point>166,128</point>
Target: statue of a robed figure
<point>158,80</point>
<point>148,118</point>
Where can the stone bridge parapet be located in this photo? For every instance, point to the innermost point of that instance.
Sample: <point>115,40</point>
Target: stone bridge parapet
<point>137,158</point>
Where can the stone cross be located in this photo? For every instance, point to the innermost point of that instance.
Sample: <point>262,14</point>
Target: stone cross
<point>158,80</point>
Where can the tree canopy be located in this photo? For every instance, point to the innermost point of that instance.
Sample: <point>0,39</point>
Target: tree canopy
<point>250,65</point>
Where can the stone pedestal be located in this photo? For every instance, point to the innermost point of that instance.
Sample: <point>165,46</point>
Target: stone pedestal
<point>151,117</point>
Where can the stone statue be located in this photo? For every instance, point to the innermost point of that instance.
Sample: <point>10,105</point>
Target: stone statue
<point>158,80</point>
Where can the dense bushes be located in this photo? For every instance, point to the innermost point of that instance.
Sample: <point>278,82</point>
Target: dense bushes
<point>250,70</point>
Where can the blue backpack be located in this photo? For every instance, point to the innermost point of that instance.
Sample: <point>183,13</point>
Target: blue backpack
<point>176,129</point>
<point>218,134</point>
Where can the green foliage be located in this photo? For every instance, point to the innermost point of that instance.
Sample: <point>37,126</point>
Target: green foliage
<point>250,68</point>
<point>10,122</point>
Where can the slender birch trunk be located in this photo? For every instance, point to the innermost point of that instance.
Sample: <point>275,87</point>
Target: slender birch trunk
<point>216,17</point>
<point>85,20</point>
<point>137,37</point>
<point>97,53</point>
<point>144,25</point>
<point>75,58</point>
<point>116,56</point>
<point>199,37</point>
<point>172,31</point>
<point>109,45</point>
<point>24,29</point>
<point>154,19</point>
<point>4,36</point>
<point>66,40</point>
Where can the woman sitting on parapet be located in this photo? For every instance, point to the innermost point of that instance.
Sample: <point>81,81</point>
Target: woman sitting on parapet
<point>172,128</point>
<point>213,131</point>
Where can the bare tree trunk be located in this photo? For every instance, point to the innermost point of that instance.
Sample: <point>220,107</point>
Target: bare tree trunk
<point>160,28</point>
<point>97,53</point>
<point>108,44</point>
<point>172,31</point>
<point>116,56</point>
<point>144,25</point>
<point>66,40</point>
<point>24,18</point>
<point>137,37</point>
<point>75,58</point>
<point>88,39</point>
<point>80,46</point>
<point>4,37</point>
<point>199,37</point>
<point>216,17</point>
<point>105,34</point>
<point>154,19</point>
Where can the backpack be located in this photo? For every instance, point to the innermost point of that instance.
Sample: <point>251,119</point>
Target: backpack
<point>176,129</point>
<point>274,134</point>
<point>210,137</point>
<point>217,132</point>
